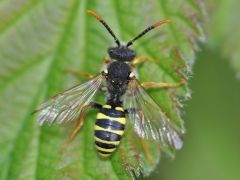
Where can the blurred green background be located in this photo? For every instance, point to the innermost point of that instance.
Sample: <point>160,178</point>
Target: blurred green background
<point>212,117</point>
<point>38,39</point>
<point>212,145</point>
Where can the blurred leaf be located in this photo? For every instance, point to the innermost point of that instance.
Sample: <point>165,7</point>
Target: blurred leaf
<point>224,30</point>
<point>38,39</point>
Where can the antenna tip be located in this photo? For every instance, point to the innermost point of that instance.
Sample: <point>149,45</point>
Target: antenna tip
<point>162,22</point>
<point>94,14</point>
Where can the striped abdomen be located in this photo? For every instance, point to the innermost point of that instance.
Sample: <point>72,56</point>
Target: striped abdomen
<point>109,129</point>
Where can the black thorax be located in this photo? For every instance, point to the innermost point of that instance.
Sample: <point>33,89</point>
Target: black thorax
<point>117,82</point>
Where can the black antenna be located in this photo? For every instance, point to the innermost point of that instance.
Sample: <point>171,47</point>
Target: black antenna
<point>105,25</point>
<point>147,30</point>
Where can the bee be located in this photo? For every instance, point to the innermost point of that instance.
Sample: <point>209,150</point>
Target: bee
<point>126,100</point>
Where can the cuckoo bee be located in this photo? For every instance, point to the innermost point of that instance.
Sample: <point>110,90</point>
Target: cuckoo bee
<point>126,101</point>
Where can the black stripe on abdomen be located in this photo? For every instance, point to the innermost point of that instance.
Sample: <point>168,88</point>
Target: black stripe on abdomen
<point>107,136</point>
<point>104,145</point>
<point>105,153</point>
<point>109,129</point>
<point>110,124</point>
<point>112,112</point>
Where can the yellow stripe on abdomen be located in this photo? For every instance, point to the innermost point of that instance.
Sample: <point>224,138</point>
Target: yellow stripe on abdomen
<point>105,150</point>
<point>109,129</point>
<point>107,142</point>
<point>98,128</point>
<point>118,119</point>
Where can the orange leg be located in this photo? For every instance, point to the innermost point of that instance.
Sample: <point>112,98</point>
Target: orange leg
<point>147,153</point>
<point>107,60</point>
<point>79,123</point>
<point>161,84</point>
<point>76,129</point>
<point>142,59</point>
<point>78,74</point>
<point>82,74</point>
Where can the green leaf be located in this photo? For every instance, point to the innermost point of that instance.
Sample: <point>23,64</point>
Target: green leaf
<point>39,39</point>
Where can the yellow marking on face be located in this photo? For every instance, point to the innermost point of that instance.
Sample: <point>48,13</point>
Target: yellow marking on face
<point>107,106</point>
<point>103,116</point>
<point>105,70</point>
<point>119,108</point>
<point>119,132</point>
<point>107,142</point>
<point>131,75</point>
<point>105,150</point>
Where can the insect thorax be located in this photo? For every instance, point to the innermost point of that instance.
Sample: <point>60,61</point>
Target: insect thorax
<point>117,81</point>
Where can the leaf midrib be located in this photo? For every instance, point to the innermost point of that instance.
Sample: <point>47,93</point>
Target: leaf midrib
<point>59,50</point>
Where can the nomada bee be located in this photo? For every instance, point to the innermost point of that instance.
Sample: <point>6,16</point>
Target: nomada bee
<point>126,101</point>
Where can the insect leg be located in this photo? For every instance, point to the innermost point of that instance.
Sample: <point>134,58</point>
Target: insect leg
<point>107,60</point>
<point>79,123</point>
<point>142,59</point>
<point>161,84</point>
<point>146,152</point>
<point>78,74</point>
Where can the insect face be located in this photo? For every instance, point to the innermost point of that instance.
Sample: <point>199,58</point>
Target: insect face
<point>121,53</point>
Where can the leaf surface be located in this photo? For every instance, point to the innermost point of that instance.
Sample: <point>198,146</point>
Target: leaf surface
<point>38,39</point>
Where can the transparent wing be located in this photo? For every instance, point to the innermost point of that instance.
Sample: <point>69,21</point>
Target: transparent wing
<point>139,156</point>
<point>148,119</point>
<point>66,106</point>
